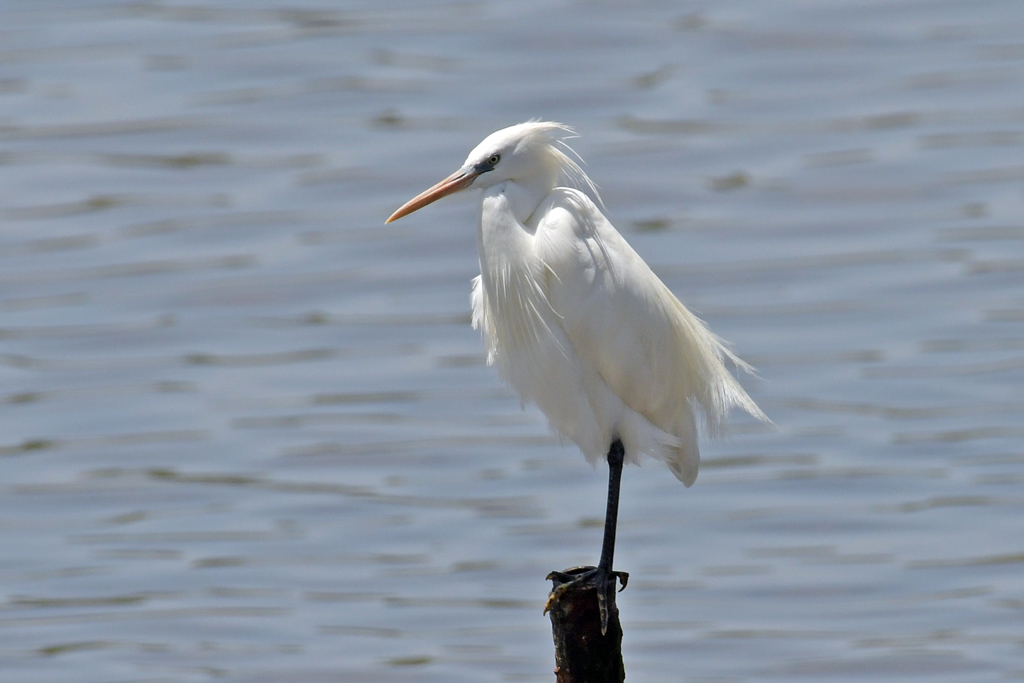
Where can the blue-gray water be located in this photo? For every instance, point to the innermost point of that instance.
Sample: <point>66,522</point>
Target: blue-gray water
<point>248,433</point>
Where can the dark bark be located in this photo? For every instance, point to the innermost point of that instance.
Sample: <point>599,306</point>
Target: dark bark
<point>582,653</point>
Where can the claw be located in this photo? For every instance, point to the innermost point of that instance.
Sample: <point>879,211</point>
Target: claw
<point>582,578</point>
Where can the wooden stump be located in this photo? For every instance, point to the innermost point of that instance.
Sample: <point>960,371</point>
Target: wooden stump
<point>582,653</point>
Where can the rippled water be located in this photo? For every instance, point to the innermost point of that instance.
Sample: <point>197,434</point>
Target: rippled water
<point>249,435</point>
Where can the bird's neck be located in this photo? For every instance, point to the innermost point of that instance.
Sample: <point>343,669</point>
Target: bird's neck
<point>523,197</point>
<point>506,234</point>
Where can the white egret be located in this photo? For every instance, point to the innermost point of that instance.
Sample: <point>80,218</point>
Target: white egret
<point>577,322</point>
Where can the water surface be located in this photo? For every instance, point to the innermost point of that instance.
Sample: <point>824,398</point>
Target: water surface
<point>249,435</point>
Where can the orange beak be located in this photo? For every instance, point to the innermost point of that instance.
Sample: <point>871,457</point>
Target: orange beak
<point>459,180</point>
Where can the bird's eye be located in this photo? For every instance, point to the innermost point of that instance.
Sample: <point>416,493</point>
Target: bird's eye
<point>493,160</point>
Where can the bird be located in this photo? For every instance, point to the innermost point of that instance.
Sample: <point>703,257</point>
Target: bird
<point>578,324</point>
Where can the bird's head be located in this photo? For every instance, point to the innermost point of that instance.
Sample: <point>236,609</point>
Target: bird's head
<point>533,153</point>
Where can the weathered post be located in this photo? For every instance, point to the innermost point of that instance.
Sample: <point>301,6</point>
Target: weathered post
<point>582,653</point>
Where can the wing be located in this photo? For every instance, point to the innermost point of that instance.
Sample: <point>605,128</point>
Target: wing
<point>626,325</point>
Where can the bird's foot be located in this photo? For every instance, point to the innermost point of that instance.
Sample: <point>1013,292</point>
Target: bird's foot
<point>600,579</point>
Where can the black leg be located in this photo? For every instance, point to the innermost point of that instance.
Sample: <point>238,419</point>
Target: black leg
<point>616,455</point>
<point>601,578</point>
